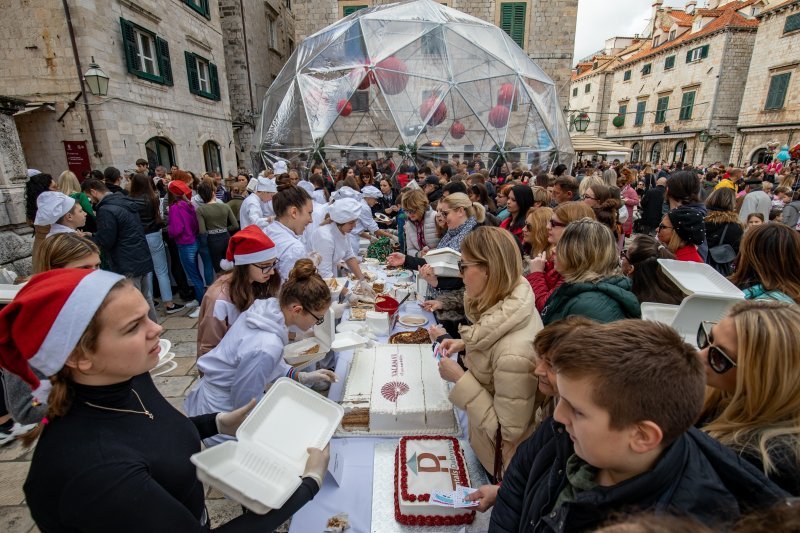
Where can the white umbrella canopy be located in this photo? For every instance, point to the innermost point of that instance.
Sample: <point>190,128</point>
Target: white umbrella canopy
<point>412,79</point>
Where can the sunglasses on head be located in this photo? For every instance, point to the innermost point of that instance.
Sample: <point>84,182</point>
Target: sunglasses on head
<point>718,360</point>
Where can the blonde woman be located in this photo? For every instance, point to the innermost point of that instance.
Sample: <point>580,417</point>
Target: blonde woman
<point>498,392</point>
<point>751,359</point>
<point>68,184</point>
<point>420,228</point>
<point>586,257</point>
<point>534,234</point>
<point>67,250</point>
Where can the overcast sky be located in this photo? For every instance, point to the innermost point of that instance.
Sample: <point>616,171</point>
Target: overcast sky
<point>601,19</point>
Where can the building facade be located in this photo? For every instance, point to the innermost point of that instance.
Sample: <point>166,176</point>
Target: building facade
<point>687,80</point>
<point>259,37</point>
<point>545,29</point>
<point>770,111</point>
<point>167,99</point>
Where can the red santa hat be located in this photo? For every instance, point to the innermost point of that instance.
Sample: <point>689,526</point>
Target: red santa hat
<point>248,246</point>
<point>43,324</point>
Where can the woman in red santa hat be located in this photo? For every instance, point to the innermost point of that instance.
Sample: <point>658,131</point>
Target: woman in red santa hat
<point>113,454</point>
<point>251,260</point>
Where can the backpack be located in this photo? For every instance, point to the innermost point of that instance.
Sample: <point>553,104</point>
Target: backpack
<point>721,256</point>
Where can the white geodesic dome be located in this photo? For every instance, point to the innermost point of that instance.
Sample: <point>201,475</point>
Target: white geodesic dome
<point>412,79</point>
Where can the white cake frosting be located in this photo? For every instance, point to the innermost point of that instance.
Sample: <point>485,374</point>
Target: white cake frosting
<point>400,387</point>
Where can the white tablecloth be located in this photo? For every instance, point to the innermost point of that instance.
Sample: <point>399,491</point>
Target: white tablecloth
<point>354,496</point>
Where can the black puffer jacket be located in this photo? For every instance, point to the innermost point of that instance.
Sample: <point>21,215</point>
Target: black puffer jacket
<point>147,214</point>
<point>120,235</point>
<point>695,476</point>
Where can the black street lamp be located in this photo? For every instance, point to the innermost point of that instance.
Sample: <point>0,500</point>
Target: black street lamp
<point>581,122</point>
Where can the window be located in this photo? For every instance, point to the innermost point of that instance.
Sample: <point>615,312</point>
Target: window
<point>201,6</point>
<point>646,69</point>
<point>146,54</point>
<point>202,74</point>
<point>656,41</point>
<point>655,153</point>
<point>778,86</point>
<point>587,88</point>
<point>687,104</point>
<point>574,91</point>
<point>291,46</point>
<point>792,23</point>
<point>679,154</point>
<point>640,107</point>
<point>211,156</point>
<point>637,151</point>
<point>512,21</point>
<point>432,43</point>
<point>159,152</point>
<point>672,35</point>
<point>622,110</point>
<point>626,76</point>
<point>669,63</point>
<point>288,4</point>
<point>349,10</point>
<point>273,34</point>
<point>696,54</point>
<point>360,101</point>
<point>661,109</point>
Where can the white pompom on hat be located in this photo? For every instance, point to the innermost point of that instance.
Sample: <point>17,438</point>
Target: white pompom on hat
<point>345,210</point>
<point>371,192</point>
<point>247,247</point>
<point>279,167</point>
<point>51,206</point>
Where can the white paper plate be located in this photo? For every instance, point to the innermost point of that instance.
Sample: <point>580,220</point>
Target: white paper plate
<point>347,340</point>
<point>701,278</point>
<point>164,346</point>
<point>413,321</point>
<point>160,370</point>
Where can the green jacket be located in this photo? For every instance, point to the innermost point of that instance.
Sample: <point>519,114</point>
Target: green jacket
<point>607,300</point>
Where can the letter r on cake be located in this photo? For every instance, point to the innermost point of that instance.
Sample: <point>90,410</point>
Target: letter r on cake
<point>436,465</point>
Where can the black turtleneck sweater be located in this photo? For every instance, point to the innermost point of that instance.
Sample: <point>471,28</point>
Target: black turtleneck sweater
<point>99,470</point>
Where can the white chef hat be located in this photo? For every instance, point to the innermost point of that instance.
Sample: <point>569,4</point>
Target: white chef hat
<point>371,192</point>
<point>51,206</point>
<point>279,167</point>
<point>251,185</point>
<point>306,186</point>
<point>345,192</point>
<point>345,210</point>
<point>266,185</point>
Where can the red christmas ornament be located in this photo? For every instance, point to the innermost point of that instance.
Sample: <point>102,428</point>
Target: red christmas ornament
<point>506,95</point>
<point>391,75</point>
<point>366,80</point>
<point>438,116</point>
<point>457,130</point>
<point>498,116</point>
<point>344,107</point>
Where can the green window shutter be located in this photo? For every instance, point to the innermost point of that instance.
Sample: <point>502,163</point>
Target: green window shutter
<point>640,108</point>
<point>164,63</point>
<point>689,56</point>
<point>131,51</point>
<point>349,10</point>
<point>622,110</point>
<point>792,23</point>
<point>575,91</point>
<point>191,71</point>
<point>661,109</point>
<point>646,69</point>
<point>704,51</point>
<point>206,9</point>
<point>212,74</point>
<point>687,104</point>
<point>778,86</point>
<point>512,21</point>
<point>669,63</point>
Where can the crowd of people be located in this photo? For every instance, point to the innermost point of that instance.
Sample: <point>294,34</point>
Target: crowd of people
<point>578,411</point>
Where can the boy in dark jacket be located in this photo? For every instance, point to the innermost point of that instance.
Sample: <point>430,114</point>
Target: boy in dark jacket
<point>621,440</point>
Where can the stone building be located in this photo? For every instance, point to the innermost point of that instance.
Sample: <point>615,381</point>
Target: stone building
<point>688,79</point>
<point>770,110</point>
<point>167,99</point>
<point>590,89</point>
<point>259,36</point>
<point>545,29</point>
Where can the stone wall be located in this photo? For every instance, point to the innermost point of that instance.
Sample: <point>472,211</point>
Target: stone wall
<point>591,102</point>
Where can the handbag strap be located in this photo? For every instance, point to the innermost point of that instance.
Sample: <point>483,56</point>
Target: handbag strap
<point>722,237</point>
<point>498,456</point>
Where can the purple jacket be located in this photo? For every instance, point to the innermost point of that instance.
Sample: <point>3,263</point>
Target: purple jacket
<point>183,225</point>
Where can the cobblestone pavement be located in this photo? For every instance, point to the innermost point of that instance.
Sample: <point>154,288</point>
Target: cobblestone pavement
<point>15,459</point>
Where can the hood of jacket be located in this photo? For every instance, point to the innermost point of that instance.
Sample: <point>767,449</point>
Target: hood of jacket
<point>509,314</point>
<point>119,200</point>
<point>266,315</point>
<point>618,288</point>
<point>721,217</point>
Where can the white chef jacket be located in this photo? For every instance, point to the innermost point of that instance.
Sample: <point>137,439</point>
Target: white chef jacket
<point>365,222</point>
<point>57,228</point>
<point>319,196</point>
<point>317,217</point>
<point>247,359</point>
<point>254,211</point>
<point>288,247</point>
<point>333,246</point>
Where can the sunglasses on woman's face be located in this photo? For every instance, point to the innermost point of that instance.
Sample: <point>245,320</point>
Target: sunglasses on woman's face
<point>557,224</point>
<point>462,266</point>
<point>528,226</point>
<point>718,360</point>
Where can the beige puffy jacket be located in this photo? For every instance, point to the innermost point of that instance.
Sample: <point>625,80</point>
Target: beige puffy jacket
<point>500,386</point>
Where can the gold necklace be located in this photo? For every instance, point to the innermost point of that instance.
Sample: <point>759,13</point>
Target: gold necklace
<point>144,410</point>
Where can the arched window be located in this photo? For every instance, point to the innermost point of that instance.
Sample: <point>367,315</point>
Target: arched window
<point>680,152</point>
<point>760,156</point>
<point>655,153</point>
<point>637,152</point>
<point>211,156</point>
<point>160,152</point>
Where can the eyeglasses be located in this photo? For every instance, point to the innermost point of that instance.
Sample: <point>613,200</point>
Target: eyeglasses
<point>443,213</point>
<point>462,266</point>
<point>719,361</point>
<point>587,197</point>
<point>266,269</point>
<point>557,224</point>
<point>528,226</point>
<point>624,253</point>
<point>320,320</point>
<point>662,226</point>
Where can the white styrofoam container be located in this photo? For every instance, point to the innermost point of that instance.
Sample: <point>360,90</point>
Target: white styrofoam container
<point>445,269</point>
<point>686,317</point>
<point>347,340</point>
<point>262,470</point>
<point>446,254</point>
<point>324,335</point>
<point>691,278</point>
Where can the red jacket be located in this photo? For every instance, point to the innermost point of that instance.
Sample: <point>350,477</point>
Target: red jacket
<point>516,233</point>
<point>688,253</point>
<point>544,283</point>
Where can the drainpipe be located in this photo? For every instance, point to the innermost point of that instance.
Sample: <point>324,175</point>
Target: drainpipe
<point>97,153</point>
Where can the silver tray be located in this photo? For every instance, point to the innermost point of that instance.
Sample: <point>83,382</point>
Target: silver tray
<point>383,494</point>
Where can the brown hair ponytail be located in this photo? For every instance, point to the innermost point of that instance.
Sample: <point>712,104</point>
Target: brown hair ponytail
<point>305,287</point>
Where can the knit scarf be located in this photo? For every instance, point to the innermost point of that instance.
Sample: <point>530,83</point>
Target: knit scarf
<point>454,237</point>
<point>420,227</point>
